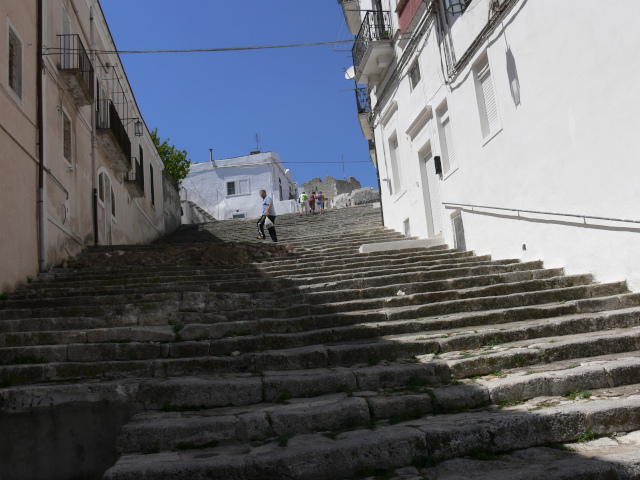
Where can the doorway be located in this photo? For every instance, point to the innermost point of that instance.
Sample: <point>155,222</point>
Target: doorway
<point>431,192</point>
<point>107,211</point>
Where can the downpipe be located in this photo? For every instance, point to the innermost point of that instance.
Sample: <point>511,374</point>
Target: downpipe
<point>93,137</point>
<point>42,264</point>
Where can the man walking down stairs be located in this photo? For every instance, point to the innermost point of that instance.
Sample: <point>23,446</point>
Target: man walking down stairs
<point>312,366</point>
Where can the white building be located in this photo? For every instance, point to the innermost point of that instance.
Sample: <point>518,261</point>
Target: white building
<point>529,107</point>
<point>230,188</point>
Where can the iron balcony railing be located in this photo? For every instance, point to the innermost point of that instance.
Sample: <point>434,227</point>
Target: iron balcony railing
<point>73,56</point>
<point>107,118</point>
<point>375,26</point>
<point>362,98</point>
<point>136,175</point>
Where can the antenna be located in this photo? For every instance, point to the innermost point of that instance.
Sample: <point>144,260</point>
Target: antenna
<point>344,174</point>
<point>257,142</point>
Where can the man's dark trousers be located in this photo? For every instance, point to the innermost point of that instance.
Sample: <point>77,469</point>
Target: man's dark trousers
<point>272,230</point>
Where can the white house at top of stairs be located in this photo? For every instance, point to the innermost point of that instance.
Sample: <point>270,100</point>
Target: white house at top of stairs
<point>230,188</point>
<point>528,109</point>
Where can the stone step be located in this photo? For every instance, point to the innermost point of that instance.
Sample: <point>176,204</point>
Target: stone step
<point>227,337</point>
<point>386,447</point>
<point>111,358</point>
<point>347,409</point>
<point>551,349</point>
<point>152,275</point>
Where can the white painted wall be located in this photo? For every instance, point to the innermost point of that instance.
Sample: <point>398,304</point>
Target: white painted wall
<point>206,185</point>
<point>566,145</point>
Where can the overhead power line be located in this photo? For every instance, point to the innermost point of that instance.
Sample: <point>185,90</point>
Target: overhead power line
<point>56,50</point>
<point>352,161</point>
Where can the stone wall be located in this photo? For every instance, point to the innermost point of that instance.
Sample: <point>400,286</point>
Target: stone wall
<point>360,196</point>
<point>331,187</point>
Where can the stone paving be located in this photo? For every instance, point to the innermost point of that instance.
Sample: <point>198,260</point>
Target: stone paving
<point>330,364</point>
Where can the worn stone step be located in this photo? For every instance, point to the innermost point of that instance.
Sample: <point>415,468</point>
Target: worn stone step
<point>532,352</point>
<point>139,309</point>
<point>316,456</point>
<point>245,336</point>
<point>360,261</point>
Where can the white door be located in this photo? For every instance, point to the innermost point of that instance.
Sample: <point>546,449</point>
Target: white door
<point>107,211</point>
<point>433,183</point>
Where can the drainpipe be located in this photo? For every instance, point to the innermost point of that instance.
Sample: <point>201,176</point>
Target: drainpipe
<point>380,190</point>
<point>42,265</point>
<point>93,136</point>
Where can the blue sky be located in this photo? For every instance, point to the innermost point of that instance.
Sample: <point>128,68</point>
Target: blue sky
<point>291,97</point>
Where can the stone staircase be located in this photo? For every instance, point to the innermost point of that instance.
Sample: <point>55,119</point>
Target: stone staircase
<point>328,364</point>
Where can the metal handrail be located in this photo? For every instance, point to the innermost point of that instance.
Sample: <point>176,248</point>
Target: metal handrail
<point>375,26</point>
<point>520,210</point>
<point>362,98</point>
<point>73,56</point>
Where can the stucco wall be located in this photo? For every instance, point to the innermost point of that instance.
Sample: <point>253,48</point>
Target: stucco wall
<point>18,154</point>
<point>566,98</point>
<point>68,226</point>
<point>206,185</point>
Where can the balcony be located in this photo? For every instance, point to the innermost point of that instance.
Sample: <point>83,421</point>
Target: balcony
<point>76,69</point>
<point>112,137</point>
<point>362,99</point>
<point>372,51</point>
<point>134,180</point>
<point>351,10</point>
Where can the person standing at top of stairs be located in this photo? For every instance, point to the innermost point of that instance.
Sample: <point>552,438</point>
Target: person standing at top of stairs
<point>268,212</point>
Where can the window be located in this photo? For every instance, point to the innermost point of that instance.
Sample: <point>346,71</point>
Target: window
<point>396,166</point>
<point>414,75</point>
<point>113,204</point>
<point>153,194</point>
<point>486,95</point>
<point>101,187</point>
<point>238,187</point>
<point>449,159</point>
<point>280,181</point>
<point>141,180</point>
<point>66,140</point>
<point>239,215</point>
<point>15,63</point>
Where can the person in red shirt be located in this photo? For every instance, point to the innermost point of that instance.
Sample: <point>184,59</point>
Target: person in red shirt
<point>312,202</point>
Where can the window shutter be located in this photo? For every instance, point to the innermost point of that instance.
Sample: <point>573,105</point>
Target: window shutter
<point>451,151</point>
<point>490,103</point>
<point>243,187</point>
<point>401,181</point>
<point>67,136</point>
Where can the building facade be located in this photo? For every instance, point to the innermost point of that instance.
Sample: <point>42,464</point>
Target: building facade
<point>505,126</point>
<point>79,165</point>
<point>230,188</point>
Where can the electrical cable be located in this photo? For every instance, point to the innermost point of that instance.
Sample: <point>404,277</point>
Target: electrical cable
<point>56,50</point>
